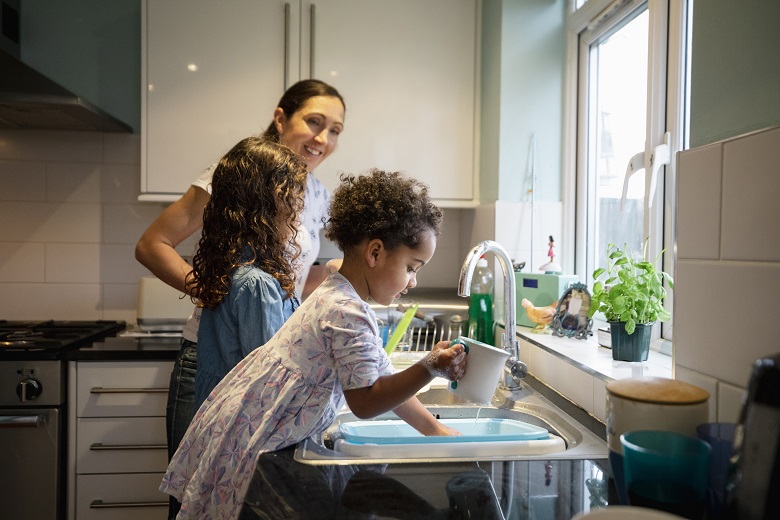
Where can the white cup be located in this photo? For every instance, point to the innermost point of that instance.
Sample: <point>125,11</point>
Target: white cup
<point>484,365</point>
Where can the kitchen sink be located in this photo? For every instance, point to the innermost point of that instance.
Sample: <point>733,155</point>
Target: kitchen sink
<point>525,404</point>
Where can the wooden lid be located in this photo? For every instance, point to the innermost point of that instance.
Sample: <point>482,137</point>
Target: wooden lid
<point>657,390</point>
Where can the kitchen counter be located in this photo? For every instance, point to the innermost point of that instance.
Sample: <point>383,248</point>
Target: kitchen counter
<point>131,345</point>
<point>553,489</point>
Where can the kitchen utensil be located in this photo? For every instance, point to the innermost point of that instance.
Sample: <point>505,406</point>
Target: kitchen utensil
<point>650,403</point>
<point>400,329</point>
<point>666,471</point>
<point>483,370</point>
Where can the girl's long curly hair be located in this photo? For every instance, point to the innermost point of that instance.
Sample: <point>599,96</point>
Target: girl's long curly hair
<point>256,198</point>
<point>383,205</point>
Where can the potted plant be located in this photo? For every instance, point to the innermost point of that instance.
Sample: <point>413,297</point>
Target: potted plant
<point>631,298</point>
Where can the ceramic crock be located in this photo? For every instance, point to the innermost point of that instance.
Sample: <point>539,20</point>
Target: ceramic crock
<point>650,403</point>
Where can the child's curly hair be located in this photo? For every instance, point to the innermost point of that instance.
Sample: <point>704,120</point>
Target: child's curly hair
<point>383,205</point>
<point>254,184</point>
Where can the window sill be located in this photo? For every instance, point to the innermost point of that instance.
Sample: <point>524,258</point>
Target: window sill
<point>579,370</point>
<point>590,357</point>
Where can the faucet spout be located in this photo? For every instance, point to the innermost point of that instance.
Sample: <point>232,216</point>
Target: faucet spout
<point>515,369</point>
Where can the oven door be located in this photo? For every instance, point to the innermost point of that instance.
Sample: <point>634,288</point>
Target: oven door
<point>31,459</point>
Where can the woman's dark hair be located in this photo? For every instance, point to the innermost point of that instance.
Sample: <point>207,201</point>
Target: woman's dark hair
<point>296,96</point>
<point>254,184</point>
<point>383,205</point>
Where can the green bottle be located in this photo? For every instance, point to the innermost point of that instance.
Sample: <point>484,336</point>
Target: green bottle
<point>481,303</point>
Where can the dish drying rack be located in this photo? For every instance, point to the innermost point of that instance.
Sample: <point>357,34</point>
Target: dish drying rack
<point>424,331</point>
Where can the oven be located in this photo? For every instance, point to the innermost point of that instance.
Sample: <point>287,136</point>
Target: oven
<point>33,411</point>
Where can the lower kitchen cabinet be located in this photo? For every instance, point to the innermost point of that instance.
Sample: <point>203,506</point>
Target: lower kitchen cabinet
<point>118,439</point>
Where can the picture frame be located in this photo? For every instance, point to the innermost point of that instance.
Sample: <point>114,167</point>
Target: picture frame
<point>571,316</point>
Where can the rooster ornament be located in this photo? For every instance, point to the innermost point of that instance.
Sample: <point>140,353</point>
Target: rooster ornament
<point>542,316</point>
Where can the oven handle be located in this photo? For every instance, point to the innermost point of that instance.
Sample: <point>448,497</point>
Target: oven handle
<point>99,504</point>
<point>21,421</point>
<point>99,446</point>
<point>101,390</point>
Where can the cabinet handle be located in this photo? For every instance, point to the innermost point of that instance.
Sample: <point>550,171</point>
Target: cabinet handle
<point>286,44</point>
<point>99,446</point>
<point>21,421</point>
<point>312,31</point>
<point>99,504</point>
<point>101,390</point>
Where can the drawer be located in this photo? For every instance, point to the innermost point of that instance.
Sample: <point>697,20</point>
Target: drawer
<point>122,389</point>
<point>121,445</point>
<point>121,497</point>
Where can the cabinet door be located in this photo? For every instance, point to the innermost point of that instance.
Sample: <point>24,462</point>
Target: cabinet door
<point>407,71</point>
<point>212,74</point>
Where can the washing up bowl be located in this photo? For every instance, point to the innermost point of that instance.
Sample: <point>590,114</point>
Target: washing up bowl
<point>567,438</point>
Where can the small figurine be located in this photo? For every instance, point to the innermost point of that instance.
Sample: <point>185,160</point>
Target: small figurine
<point>551,267</point>
<point>542,316</point>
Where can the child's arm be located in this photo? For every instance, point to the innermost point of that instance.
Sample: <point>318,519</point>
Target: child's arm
<point>391,391</point>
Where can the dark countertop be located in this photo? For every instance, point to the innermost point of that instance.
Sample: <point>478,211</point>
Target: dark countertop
<point>540,489</point>
<point>130,345</point>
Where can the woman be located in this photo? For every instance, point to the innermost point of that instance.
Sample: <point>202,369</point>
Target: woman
<point>308,119</point>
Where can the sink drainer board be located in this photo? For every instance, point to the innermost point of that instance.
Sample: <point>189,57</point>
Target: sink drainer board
<point>481,437</point>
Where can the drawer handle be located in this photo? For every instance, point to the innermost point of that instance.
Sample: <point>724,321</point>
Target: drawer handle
<point>99,446</point>
<point>101,390</point>
<point>99,504</point>
<point>21,421</point>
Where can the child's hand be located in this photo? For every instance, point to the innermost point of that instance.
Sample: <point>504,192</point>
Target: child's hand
<point>445,361</point>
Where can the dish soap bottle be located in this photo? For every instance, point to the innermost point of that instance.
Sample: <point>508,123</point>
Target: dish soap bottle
<point>481,303</point>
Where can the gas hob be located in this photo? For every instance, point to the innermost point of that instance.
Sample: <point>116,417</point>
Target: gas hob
<point>51,339</point>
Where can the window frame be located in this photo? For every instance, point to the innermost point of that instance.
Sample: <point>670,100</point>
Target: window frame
<point>668,76</point>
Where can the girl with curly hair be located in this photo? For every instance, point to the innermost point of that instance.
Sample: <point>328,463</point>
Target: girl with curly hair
<point>327,354</point>
<point>244,266</point>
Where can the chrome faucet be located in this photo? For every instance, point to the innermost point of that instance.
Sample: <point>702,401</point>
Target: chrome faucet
<point>514,369</point>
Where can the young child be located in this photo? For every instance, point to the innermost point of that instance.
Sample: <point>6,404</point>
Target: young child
<point>243,269</point>
<point>328,352</point>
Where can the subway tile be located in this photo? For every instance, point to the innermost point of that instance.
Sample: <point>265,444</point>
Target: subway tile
<point>73,182</point>
<point>730,399</point>
<point>46,145</point>
<point>122,148</point>
<point>50,301</point>
<point>751,185</point>
<point>708,383</point>
<point>119,184</point>
<point>125,223</point>
<point>699,202</point>
<point>723,316</point>
<point>50,222</point>
<point>120,301</point>
<point>22,180</point>
<point>72,263</point>
<point>21,262</point>
<point>118,264</point>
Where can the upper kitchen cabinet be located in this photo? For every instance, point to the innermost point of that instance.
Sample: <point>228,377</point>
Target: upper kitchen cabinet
<point>407,70</point>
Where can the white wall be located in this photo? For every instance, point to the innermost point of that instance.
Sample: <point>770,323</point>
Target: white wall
<point>728,263</point>
<point>70,219</point>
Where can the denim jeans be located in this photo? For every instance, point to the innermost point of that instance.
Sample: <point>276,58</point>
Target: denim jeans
<point>181,403</point>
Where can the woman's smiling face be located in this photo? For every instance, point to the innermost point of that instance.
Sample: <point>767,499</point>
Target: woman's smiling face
<point>313,131</point>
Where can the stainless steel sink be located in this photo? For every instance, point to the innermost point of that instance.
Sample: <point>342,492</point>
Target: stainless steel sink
<point>524,404</point>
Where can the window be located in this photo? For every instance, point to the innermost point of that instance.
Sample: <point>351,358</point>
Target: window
<point>630,83</point>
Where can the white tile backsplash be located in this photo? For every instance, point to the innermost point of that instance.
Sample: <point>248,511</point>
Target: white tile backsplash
<point>751,189</point>
<point>22,180</point>
<point>69,222</point>
<point>699,172</point>
<point>724,304</point>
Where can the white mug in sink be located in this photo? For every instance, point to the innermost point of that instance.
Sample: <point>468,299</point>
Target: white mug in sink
<point>484,365</point>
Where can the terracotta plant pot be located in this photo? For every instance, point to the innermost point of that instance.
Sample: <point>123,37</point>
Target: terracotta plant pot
<point>633,347</point>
